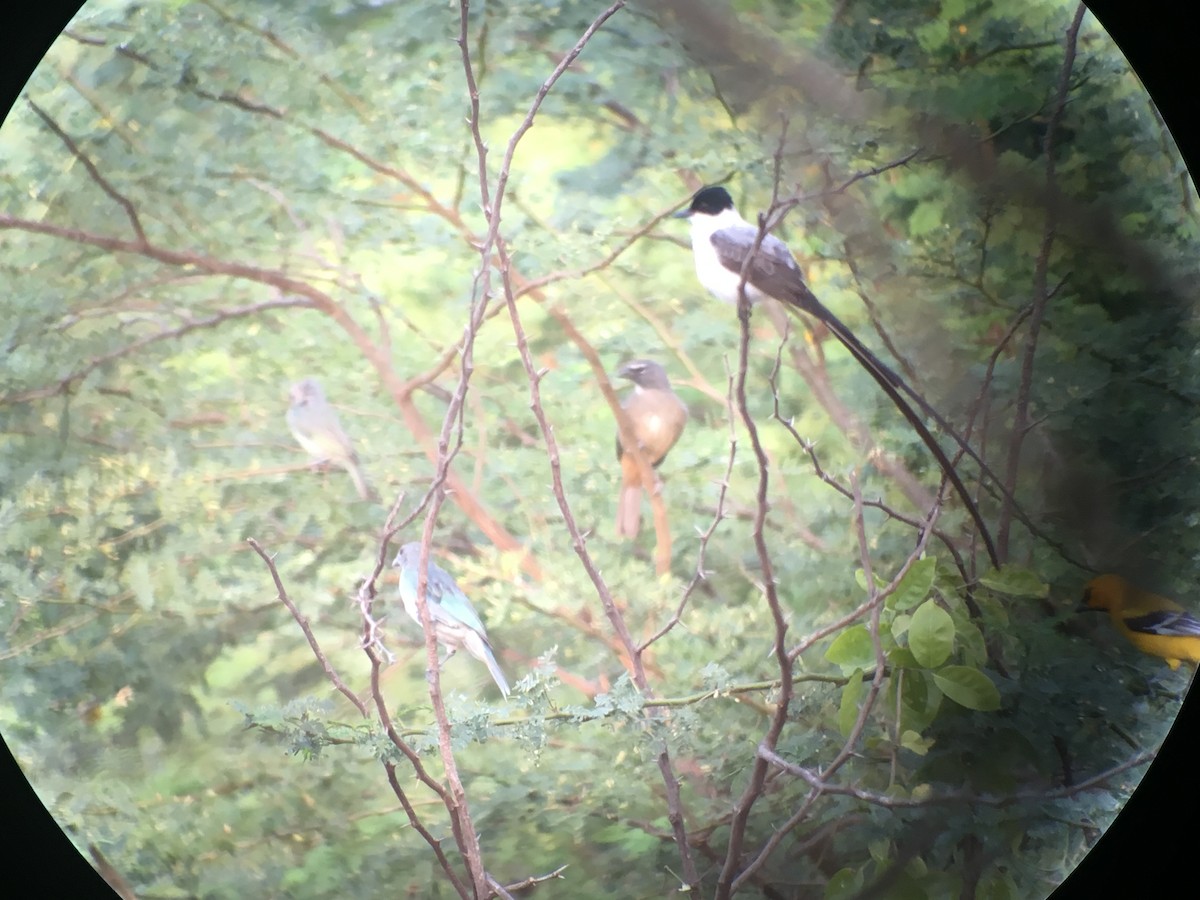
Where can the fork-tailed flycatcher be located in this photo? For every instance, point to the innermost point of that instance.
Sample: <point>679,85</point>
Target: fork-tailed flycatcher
<point>722,241</point>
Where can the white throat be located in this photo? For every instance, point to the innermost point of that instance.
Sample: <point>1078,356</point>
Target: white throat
<point>704,224</point>
<point>720,281</point>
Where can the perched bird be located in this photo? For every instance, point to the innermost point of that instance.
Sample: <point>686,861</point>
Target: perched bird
<point>455,622</point>
<point>1152,623</point>
<point>658,416</point>
<point>721,243</point>
<point>315,425</point>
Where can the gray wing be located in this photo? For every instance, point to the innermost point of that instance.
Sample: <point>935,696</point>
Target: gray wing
<point>772,260</point>
<point>774,271</point>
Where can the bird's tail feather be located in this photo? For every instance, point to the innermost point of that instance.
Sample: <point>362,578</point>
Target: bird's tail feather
<point>880,369</point>
<point>479,648</point>
<point>629,511</point>
<point>892,385</point>
<point>361,484</point>
<point>497,675</point>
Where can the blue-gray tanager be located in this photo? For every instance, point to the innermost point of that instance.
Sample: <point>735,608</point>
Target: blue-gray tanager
<point>455,622</point>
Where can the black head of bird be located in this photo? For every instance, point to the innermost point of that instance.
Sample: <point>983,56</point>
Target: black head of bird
<point>708,201</point>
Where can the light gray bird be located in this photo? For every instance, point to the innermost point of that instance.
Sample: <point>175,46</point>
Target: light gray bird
<point>455,622</point>
<point>315,425</point>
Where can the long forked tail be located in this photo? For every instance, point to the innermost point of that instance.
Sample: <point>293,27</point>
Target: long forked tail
<point>892,384</point>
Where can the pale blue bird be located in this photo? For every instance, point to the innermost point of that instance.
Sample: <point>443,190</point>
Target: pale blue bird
<point>455,622</point>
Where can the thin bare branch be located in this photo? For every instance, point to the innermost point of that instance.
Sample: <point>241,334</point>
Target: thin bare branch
<point>1041,267</point>
<point>532,880</point>
<point>93,172</point>
<point>700,575</point>
<point>302,621</point>
<point>64,383</point>
<point>494,246</point>
<point>820,782</point>
<point>729,875</point>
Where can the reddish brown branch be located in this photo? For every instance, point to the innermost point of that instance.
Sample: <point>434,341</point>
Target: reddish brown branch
<point>376,355</point>
<point>96,362</point>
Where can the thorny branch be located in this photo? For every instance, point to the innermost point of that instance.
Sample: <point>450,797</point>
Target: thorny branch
<point>729,875</point>
<point>493,252</point>
<point>872,607</point>
<point>494,246</point>
<point>384,716</point>
<point>699,575</point>
<point>820,782</point>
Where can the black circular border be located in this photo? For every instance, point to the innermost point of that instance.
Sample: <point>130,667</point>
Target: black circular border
<point>1147,847</point>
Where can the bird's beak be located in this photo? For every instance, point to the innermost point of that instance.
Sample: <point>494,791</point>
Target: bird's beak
<point>682,214</point>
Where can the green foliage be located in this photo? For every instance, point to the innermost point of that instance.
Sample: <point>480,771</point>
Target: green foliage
<point>308,176</point>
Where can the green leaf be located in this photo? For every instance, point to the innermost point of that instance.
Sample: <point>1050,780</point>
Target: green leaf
<point>902,658</point>
<point>928,216</point>
<point>931,635</point>
<point>969,640</point>
<point>852,649</point>
<point>848,709</point>
<point>914,586</point>
<point>860,578</point>
<point>1016,581</point>
<point>140,582</point>
<point>911,740</point>
<point>845,883</point>
<point>996,885</point>
<point>968,687</point>
<point>920,700</point>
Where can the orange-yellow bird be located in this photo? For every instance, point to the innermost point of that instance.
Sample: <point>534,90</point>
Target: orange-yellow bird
<point>1150,622</point>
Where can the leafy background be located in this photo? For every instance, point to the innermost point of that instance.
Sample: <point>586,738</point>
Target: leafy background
<point>144,442</point>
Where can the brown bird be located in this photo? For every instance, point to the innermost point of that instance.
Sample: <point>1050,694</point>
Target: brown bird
<point>658,417</point>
